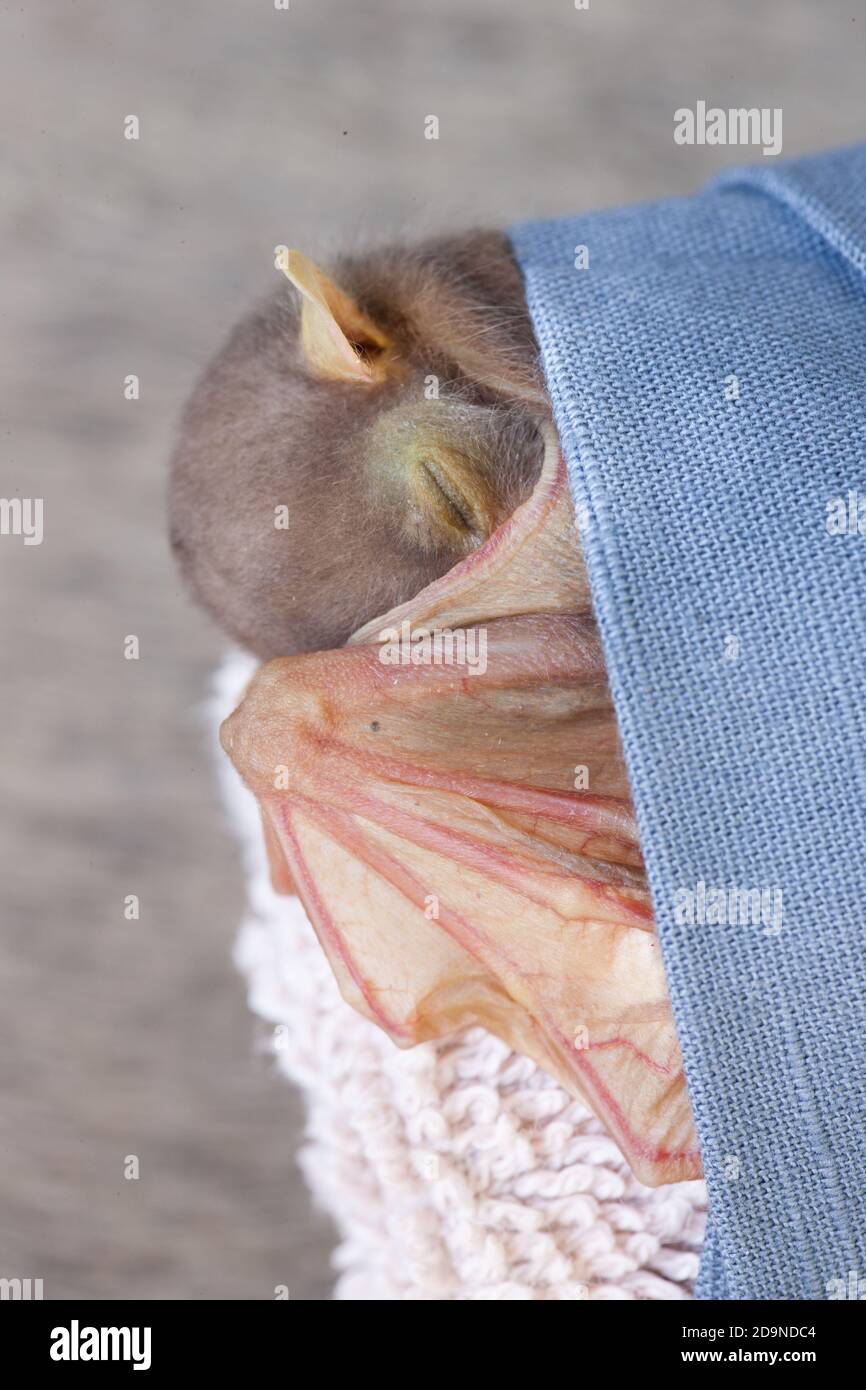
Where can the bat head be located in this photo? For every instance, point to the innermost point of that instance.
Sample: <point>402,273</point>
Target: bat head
<point>354,439</point>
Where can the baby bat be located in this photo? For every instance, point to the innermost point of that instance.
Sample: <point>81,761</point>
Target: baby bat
<point>396,410</point>
<point>355,438</point>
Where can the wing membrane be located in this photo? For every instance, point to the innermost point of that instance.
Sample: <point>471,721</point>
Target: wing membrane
<point>429,817</point>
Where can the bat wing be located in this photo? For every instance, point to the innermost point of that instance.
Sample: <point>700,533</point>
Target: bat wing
<point>428,813</point>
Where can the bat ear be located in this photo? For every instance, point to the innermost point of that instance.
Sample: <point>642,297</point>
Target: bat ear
<point>340,342</point>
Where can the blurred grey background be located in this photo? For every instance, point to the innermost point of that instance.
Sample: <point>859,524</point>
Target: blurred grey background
<point>258,126</point>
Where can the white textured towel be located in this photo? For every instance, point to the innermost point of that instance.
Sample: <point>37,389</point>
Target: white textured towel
<point>457,1169</point>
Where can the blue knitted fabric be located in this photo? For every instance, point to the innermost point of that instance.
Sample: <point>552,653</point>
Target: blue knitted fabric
<point>708,375</point>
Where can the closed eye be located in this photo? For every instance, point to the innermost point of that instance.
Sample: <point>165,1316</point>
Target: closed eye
<point>454,505</point>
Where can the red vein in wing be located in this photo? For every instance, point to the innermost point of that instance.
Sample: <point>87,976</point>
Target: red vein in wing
<point>324,922</point>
